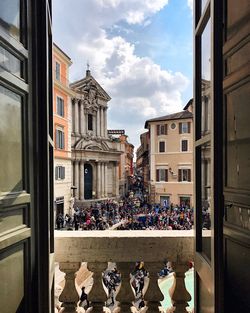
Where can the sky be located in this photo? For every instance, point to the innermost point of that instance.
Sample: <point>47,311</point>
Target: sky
<point>140,51</point>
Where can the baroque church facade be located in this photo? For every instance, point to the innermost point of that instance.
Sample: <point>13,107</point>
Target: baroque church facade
<point>95,155</point>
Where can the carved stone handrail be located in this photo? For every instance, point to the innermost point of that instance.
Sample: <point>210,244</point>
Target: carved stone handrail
<point>97,248</point>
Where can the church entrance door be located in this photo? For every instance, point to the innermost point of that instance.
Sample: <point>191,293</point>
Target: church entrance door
<point>88,181</point>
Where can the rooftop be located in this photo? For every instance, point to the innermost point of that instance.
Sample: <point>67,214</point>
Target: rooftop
<point>174,116</point>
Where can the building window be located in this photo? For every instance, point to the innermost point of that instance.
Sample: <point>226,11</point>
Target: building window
<point>184,174</point>
<point>60,106</point>
<point>162,129</point>
<point>90,122</point>
<point>59,139</point>
<point>162,146</point>
<point>58,71</point>
<point>161,175</point>
<point>184,128</point>
<point>184,145</point>
<point>60,172</point>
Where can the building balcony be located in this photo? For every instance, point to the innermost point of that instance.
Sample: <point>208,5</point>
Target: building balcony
<point>124,248</point>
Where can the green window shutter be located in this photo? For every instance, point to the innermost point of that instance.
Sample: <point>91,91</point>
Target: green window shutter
<point>63,172</point>
<point>57,138</point>
<point>166,129</point>
<point>166,175</point>
<point>179,174</point>
<point>63,145</point>
<point>158,130</point>
<point>157,175</point>
<point>180,128</point>
<point>56,172</point>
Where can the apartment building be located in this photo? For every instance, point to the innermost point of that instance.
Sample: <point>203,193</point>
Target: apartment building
<point>62,131</point>
<point>171,157</point>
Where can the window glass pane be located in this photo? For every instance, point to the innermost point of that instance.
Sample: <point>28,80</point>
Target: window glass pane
<point>10,17</point>
<point>206,199</point>
<point>203,4</point>
<point>206,80</point>
<point>10,141</point>
<point>9,62</point>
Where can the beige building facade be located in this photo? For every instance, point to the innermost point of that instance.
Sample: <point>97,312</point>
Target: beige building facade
<point>171,157</point>
<point>95,155</point>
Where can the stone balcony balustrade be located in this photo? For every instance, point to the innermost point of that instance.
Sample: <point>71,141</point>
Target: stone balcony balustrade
<point>97,248</point>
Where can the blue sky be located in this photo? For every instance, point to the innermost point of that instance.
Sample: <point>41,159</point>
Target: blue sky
<point>139,50</point>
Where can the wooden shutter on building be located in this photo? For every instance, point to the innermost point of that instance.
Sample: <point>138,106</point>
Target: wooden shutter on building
<point>63,172</point>
<point>56,172</point>
<point>158,130</point>
<point>157,175</point>
<point>57,138</point>
<point>166,129</point>
<point>63,138</point>
<point>166,174</point>
<point>189,174</point>
<point>180,128</point>
<point>189,127</point>
<point>179,174</point>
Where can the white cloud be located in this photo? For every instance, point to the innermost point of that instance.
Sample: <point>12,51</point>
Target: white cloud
<point>190,4</point>
<point>139,88</point>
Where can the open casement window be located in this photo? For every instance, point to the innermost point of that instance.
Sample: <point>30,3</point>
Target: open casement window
<point>26,157</point>
<point>60,106</point>
<point>161,175</point>
<point>208,130</point>
<point>162,129</point>
<point>184,127</point>
<point>59,172</point>
<point>184,174</point>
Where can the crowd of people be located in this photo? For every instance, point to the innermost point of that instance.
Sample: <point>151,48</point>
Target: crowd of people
<point>128,214</point>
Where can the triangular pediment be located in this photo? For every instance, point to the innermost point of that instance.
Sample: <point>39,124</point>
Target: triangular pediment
<point>90,85</point>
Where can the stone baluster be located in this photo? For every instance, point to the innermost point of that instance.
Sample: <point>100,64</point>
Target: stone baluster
<point>97,295</point>
<point>178,293</point>
<point>69,296</point>
<point>125,295</point>
<point>153,295</point>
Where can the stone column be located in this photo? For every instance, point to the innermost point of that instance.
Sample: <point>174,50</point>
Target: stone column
<point>102,179</point>
<point>98,180</point>
<point>153,295</point>
<point>105,179</point>
<point>102,123</point>
<point>76,178</point>
<point>73,115</point>
<point>82,118</point>
<point>105,122</point>
<point>81,183</point>
<point>76,117</point>
<point>94,124</point>
<point>98,122</point>
<point>117,180</point>
<point>125,295</point>
<point>114,179</point>
<point>179,294</point>
<point>69,296</point>
<point>97,295</point>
